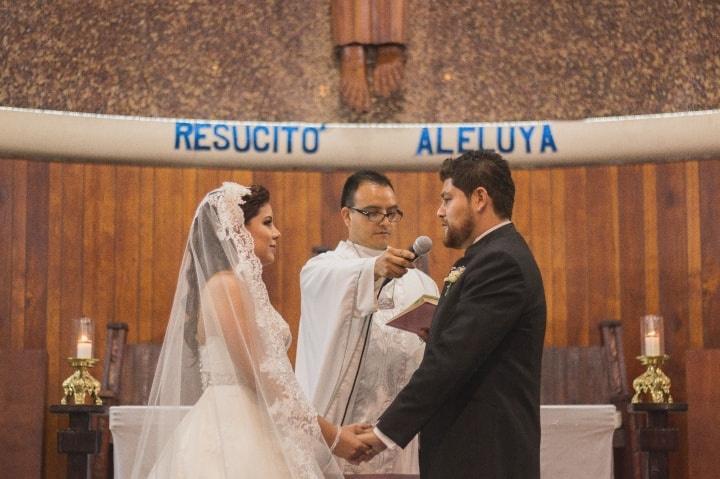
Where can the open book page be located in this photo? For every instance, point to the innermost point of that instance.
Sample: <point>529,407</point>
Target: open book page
<point>417,316</point>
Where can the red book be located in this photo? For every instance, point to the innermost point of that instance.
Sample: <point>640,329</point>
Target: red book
<point>417,316</point>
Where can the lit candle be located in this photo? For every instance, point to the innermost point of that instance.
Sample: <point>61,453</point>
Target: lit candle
<point>652,344</point>
<point>84,348</point>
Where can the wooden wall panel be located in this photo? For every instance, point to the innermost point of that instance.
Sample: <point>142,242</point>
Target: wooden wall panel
<point>576,244</point>
<point>556,333</point>
<point>540,235</point>
<point>6,250</point>
<point>673,275</point>
<point>521,208</point>
<point>56,360</point>
<point>168,244</point>
<point>106,241</point>
<point>710,239</point>
<point>147,266</point>
<point>602,251</point>
<point>99,241</point>
<point>294,243</point>
<point>650,207</point>
<point>207,180</point>
<point>631,246</point>
<point>127,247</point>
<point>36,261</point>
<point>673,283</point>
<point>19,249</point>
<point>408,197</point>
<point>694,254</point>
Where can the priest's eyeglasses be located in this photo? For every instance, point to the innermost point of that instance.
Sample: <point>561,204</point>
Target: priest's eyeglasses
<point>378,217</point>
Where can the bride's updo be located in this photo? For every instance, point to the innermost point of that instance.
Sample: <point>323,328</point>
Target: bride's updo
<point>259,196</point>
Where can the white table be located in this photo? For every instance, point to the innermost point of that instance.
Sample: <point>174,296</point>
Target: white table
<point>576,441</point>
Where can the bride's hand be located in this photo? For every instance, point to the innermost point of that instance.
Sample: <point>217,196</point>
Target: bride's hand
<point>349,447</point>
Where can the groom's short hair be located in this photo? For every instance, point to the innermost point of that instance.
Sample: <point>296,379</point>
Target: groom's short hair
<point>483,168</point>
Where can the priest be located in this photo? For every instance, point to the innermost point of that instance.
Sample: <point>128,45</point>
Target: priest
<point>349,362</point>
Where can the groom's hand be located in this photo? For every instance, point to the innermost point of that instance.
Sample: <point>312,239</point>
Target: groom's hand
<point>350,447</point>
<point>376,445</point>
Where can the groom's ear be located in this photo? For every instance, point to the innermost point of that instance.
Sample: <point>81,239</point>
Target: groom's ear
<point>479,199</point>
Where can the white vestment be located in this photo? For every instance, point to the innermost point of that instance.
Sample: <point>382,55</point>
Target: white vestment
<point>349,363</point>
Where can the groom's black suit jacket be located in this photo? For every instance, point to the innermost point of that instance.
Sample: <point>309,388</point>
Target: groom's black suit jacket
<point>475,399</point>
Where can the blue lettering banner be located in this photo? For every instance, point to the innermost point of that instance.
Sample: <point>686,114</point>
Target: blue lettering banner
<point>51,135</point>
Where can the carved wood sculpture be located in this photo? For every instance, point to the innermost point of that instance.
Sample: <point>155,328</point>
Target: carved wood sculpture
<point>361,25</point>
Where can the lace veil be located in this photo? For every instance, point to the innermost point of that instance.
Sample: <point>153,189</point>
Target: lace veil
<point>221,299</point>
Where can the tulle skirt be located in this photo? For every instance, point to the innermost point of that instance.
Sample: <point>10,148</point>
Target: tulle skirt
<point>226,434</point>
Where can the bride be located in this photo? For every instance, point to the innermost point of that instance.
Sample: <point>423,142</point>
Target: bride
<point>225,354</point>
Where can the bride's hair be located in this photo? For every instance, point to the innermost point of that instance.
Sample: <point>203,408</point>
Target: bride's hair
<point>203,234</point>
<point>259,196</point>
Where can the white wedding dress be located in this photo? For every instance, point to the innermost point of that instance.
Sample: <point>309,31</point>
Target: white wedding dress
<point>225,354</point>
<point>207,444</point>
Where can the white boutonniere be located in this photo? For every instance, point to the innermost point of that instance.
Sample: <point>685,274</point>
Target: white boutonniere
<point>453,276</point>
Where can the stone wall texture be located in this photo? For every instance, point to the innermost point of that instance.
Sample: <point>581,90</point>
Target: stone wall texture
<point>467,60</point>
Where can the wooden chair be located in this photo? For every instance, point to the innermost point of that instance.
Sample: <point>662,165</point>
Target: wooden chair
<point>138,371</point>
<point>127,379</point>
<point>22,412</point>
<point>595,375</point>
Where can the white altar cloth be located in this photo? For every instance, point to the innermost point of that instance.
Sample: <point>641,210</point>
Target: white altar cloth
<point>576,441</point>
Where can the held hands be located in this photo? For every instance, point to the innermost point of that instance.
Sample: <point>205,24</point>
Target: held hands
<point>394,263</point>
<point>348,446</point>
<point>358,443</point>
<point>376,445</point>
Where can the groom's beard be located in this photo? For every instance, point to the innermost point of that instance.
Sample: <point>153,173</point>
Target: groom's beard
<point>457,236</point>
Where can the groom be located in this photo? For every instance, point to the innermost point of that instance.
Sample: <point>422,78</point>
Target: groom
<point>475,399</point>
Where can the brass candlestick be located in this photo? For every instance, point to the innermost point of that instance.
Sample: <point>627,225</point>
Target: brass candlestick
<point>653,385</point>
<point>81,383</point>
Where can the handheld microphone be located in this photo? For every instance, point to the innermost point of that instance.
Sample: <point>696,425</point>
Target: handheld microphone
<point>421,246</point>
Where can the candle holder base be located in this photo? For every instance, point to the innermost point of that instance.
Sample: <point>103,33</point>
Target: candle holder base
<point>81,383</point>
<point>652,386</point>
